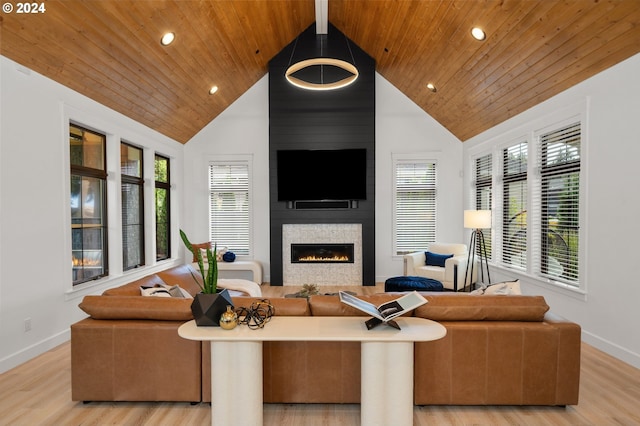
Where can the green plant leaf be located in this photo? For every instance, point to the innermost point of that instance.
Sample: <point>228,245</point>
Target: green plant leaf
<point>210,279</point>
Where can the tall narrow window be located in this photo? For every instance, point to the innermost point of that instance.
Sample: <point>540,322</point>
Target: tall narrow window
<point>514,208</point>
<point>87,151</point>
<point>414,205</point>
<point>163,217</point>
<point>483,184</point>
<point>229,221</point>
<point>559,200</point>
<point>132,206</point>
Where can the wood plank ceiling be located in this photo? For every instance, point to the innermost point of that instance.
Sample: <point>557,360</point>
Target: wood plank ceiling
<point>110,51</point>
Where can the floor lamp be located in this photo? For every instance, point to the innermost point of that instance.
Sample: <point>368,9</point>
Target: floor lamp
<point>477,220</point>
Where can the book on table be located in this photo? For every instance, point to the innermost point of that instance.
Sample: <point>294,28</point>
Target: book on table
<point>386,312</point>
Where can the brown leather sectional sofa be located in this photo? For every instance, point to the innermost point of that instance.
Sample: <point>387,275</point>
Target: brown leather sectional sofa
<point>499,350</point>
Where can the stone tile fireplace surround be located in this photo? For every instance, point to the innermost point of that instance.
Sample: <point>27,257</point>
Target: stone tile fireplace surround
<point>322,273</point>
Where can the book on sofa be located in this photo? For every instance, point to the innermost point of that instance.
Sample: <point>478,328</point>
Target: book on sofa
<point>386,312</point>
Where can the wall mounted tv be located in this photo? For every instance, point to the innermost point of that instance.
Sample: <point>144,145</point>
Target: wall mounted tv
<point>313,175</point>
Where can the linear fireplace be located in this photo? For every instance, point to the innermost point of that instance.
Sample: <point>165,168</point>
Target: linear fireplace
<point>325,254</point>
<point>322,253</point>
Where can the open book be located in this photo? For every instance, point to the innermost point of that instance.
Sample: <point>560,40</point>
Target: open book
<point>386,312</point>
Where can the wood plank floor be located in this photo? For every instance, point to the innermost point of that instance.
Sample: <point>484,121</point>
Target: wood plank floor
<point>38,392</point>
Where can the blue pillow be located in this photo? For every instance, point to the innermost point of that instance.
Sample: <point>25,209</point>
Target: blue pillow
<point>435,259</point>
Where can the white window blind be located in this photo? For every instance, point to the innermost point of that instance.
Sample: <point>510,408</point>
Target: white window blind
<point>514,205</point>
<point>483,187</point>
<point>415,205</point>
<point>229,221</point>
<point>556,250</point>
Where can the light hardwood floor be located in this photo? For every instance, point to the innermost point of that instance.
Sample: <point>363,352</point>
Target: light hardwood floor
<point>38,392</point>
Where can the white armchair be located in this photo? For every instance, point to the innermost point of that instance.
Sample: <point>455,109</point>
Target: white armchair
<point>452,275</point>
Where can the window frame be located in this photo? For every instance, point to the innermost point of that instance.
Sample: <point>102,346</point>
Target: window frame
<point>542,177</point>
<point>431,230</point>
<point>166,186</point>
<point>483,183</point>
<point>233,160</point>
<point>521,177</point>
<point>93,173</point>
<point>138,181</point>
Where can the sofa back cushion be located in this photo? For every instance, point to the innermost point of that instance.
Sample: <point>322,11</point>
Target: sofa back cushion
<point>296,307</point>
<point>137,307</point>
<point>464,307</point>
<point>133,288</point>
<point>181,275</point>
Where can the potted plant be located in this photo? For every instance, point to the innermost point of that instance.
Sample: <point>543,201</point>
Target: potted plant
<point>209,304</point>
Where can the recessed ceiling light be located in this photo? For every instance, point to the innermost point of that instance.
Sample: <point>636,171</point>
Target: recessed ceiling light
<point>478,33</point>
<point>432,87</point>
<point>213,90</point>
<point>167,39</point>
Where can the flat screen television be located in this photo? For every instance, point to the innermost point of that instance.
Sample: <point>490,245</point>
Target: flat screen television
<point>313,175</point>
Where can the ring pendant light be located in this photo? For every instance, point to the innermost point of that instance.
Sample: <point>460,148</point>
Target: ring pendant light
<point>321,61</point>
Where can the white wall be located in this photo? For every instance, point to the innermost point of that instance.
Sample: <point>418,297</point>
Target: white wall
<point>242,129</point>
<point>401,127</point>
<point>608,312</point>
<point>35,234</point>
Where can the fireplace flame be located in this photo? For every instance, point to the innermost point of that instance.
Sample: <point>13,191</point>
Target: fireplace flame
<point>85,262</point>
<point>324,259</point>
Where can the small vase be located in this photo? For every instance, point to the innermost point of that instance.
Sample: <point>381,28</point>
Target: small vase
<point>229,319</point>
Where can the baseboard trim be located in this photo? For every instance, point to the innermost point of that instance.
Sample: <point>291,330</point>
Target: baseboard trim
<point>30,352</point>
<point>611,348</point>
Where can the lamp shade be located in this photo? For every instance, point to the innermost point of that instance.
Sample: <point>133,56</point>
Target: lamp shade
<point>477,219</point>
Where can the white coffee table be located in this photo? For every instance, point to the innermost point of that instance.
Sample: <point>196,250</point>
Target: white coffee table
<point>386,363</point>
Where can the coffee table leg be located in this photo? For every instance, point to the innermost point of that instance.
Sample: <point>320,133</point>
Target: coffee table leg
<point>236,383</point>
<point>386,383</point>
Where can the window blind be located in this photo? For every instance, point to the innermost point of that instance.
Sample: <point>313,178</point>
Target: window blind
<point>483,187</point>
<point>558,197</point>
<point>229,206</point>
<point>514,209</point>
<point>415,205</point>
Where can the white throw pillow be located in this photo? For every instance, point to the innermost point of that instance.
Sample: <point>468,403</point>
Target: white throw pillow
<point>507,287</point>
<point>154,291</point>
<point>163,290</point>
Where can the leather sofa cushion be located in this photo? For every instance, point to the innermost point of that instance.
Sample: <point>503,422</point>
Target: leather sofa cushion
<point>458,307</point>
<point>282,307</point>
<point>137,307</point>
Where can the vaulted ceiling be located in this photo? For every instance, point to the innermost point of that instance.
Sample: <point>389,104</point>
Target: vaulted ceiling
<point>110,51</point>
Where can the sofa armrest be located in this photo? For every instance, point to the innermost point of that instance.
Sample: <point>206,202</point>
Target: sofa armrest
<point>412,261</point>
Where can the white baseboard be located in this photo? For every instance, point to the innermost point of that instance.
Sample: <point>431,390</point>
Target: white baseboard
<point>33,351</point>
<point>612,349</point>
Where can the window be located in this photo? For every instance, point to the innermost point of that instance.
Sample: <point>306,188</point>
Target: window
<point>229,198</point>
<point>483,195</point>
<point>414,204</point>
<point>559,196</point>
<point>538,226</point>
<point>162,198</point>
<point>514,205</point>
<point>132,206</point>
<point>88,204</point>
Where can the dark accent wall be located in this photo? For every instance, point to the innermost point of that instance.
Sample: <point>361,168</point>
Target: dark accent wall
<point>336,119</point>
